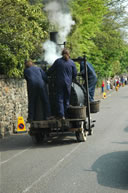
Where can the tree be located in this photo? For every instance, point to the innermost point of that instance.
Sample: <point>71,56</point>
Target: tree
<point>23,27</point>
<point>88,16</point>
<point>99,32</point>
<point>110,41</point>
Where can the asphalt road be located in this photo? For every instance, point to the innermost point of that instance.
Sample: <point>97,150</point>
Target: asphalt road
<point>99,165</point>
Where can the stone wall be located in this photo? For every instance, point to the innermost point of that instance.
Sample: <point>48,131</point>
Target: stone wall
<point>13,103</point>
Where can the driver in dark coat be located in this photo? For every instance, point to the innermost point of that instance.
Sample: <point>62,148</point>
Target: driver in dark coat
<point>65,71</point>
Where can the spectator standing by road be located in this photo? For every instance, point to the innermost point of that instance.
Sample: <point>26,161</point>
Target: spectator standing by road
<point>125,80</point>
<point>108,84</point>
<point>102,86</point>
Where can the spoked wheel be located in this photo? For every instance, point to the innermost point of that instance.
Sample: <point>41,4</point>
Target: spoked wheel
<point>87,130</point>
<point>81,134</point>
<point>37,138</point>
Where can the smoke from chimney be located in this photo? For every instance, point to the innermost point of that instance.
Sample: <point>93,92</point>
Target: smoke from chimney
<point>60,18</point>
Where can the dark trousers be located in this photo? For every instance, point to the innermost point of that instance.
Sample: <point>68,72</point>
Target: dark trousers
<point>34,93</point>
<point>102,89</point>
<point>63,99</point>
<point>92,85</point>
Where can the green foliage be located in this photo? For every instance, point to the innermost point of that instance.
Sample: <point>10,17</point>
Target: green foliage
<point>88,17</point>
<point>22,29</point>
<point>98,32</point>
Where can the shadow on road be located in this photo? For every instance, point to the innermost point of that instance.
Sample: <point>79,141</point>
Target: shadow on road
<point>112,170</point>
<point>126,129</point>
<point>21,142</point>
<point>122,143</point>
<point>61,140</point>
<point>15,142</point>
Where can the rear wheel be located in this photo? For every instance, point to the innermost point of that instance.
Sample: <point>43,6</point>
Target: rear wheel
<point>86,127</point>
<point>37,138</point>
<point>81,134</point>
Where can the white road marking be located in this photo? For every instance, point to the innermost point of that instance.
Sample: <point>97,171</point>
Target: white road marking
<point>52,169</point>
<point>16,155</point>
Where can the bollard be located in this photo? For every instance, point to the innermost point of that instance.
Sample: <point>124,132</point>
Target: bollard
<point>104,95</point>
<point>21,125</point>
<point>116,88</point>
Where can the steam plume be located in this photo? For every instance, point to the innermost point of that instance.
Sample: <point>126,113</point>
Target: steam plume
<point>51,52</point>
<point>62,20</point>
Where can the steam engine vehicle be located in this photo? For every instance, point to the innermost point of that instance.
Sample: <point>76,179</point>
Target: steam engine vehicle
<point>78,120</point>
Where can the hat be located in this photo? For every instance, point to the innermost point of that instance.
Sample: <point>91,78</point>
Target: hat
<point>80,58</point>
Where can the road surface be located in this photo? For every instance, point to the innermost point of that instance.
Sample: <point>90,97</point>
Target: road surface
<point>99,165</point>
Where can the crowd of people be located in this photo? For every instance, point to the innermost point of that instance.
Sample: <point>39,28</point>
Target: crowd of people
<point>114,83</point>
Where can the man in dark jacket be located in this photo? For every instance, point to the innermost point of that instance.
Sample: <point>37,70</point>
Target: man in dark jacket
<point>36,86</point>
<point>65,71</point>
<point>92,79</point>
